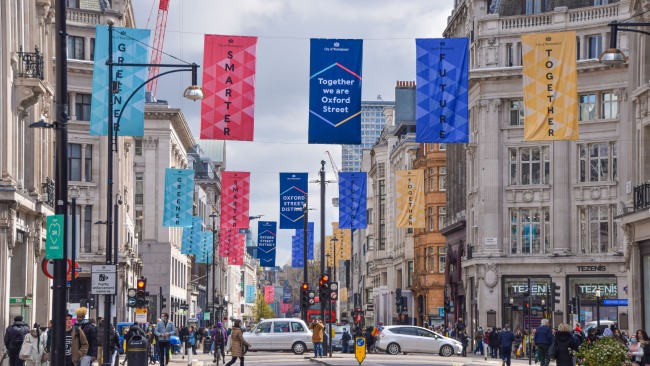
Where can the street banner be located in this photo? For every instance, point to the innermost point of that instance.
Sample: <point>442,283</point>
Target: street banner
<point>54,239</point>
<point>287,295</point>
<point>344,243</point>
<point>228,106</point>
<point>205,254</point>
<point>235,199</point>
<point>179,197</point>
<point>228,239</point>
<point>550,86</point>
<point>410,198</point>
<point>269,294</point>
<point>441,111</point>
<point>352,200</point>
<point>296,308</point>
<point>266,242</point>
<point>250,294</point>
<point>335,91</point>
<point>297,250</point>
<point>300,234</point>
<point>130,45</point>
<point>293,192</point>
<point>192,236</point>
<point>284,308</point>
<point>235,253</point>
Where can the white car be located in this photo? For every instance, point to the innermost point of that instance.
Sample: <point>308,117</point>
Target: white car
<point>280,334</point>
<point>407,338</point>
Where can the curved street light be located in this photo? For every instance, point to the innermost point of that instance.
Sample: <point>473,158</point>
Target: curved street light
<point>614,56</point>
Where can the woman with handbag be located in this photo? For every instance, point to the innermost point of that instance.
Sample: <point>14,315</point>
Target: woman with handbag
<point>33,347</point>
<point>238,345</point>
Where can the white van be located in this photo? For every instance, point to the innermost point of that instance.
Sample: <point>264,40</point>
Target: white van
<point>280,334</point>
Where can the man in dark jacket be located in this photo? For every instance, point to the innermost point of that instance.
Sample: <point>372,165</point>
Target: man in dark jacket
<point>345,341</point>
<point>14,337</point>
<point>506,337</point>
<point>90,331</point>
<point>494,342</point>
<point>543,339</point>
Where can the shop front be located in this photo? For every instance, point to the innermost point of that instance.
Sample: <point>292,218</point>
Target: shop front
<point>585,289</point>
<point>523,309</point>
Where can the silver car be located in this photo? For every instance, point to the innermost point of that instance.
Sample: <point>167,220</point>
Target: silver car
<point>280,334</point>
<point>407,338</point>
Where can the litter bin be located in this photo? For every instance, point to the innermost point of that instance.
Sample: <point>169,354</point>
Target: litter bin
<point>136,351</point>
<point>207,344</point>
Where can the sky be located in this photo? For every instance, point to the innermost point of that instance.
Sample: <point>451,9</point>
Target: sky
<point>284,27</point>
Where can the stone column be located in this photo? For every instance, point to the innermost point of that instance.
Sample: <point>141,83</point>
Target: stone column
<point>149,223</point>
<point>561,202</point>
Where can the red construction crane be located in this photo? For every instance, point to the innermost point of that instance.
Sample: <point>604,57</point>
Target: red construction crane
<point>158,40</point>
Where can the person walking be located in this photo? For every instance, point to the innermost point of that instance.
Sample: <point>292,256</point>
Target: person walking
<point>494,342</point>
<point>164,330</point>
<point>543,340</point>
<point>479,341</point>
<point>38,341</point>
<point>76,344</point>
<point>219,340</point>
<point>14,337</point>
<point>345,341</point>
<point>317,337</point>
<point>90,331</point>
<point>506,337</point>
<point>237,344</point>
<point>464,340</point>
<point>565,345</point>
<point>192,339</point>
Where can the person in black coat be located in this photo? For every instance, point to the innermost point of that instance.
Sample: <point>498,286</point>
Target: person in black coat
<point>494,342</point>
<point>464,340</point>
<point>565,345</point>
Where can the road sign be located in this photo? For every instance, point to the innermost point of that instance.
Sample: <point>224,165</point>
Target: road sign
<point>614,302</point>
<point>47,266</point>
<point>360,349</point>
<point>141,315</point>
<point>104,279</point>
<point>131,302</point>
<point>54,238</point>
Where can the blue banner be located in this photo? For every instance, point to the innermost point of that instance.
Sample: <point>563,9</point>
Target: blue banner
<point>250,293</point>
<point>266,242</point>
<point>179,197</point>
<point>293,192</point>
<point>205,254</point>
<point>441,95</point>
<point>297,255</point>
<point>287,296</point>
<point>352,200</point>
<point>335,91</point>
<point>310,239</point>
<point>192,236</point>
<point>130,45</point>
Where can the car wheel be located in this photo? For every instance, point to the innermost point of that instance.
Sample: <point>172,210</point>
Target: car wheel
<point>298,348</point>
<point>446,350</point>
<point>393,349</point>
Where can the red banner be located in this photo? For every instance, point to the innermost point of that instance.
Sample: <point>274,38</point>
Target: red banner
<point>285,308</point>
<point>269,292</point>
<point>228,106</point>
<point>228,239</point>
<point>235,194</point>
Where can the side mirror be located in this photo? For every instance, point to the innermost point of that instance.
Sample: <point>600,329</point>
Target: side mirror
<point>257,331</point>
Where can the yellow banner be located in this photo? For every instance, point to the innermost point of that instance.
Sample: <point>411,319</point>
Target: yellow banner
<point>344,243</point>
<point>550,86</point>
<point>410,198</point>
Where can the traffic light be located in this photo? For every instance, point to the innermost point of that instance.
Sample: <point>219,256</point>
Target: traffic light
<point>304,295</point>
<point>573,306</point>
<point>555,293</point>
<point>141,294</point>
<point>526,308</point>
<point>324,287</point>
<point>527,292</point>
<point>91,303</point>
<point>334,290</point>
<point>447,305</point>
<point>312,297</point>
<point>131,301</point>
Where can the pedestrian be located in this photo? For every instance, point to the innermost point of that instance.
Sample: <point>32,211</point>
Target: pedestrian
<point>238,345</point>
<point>219,340</point>
<point>76,344</point>
<point>519,338</point>
<point>37,341</point>
<point>164,330</point>
<point>317,337</point>
<point>506,337</point>
<point>370,339</point>
<point>479,341</point>
<point>494,342</point>
<point>100,341</point>
<point>14,337</point>
<point>345,341</point>
<point>90,331</point>
<point>464,340</point>
<point>48,339</point>
<point>635,351</point>
<point>192,339</point>
<point>460,326</point>
<point>565,345</point>
<point>543,340</point>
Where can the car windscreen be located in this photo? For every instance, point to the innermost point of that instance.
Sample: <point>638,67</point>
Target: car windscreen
<point>264,327</point>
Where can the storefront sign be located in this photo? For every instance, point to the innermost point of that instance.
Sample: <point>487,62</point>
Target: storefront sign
<point>599,268</point>
<point>535,289</point>
<point>609,289</point>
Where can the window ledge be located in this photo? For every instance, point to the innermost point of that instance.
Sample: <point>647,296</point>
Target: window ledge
<point>523,187</point>
<point>609,183</point>
<point>598,120</point>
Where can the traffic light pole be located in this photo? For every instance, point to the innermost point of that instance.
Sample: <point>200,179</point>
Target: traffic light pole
<point>530,332</point>
<point>322,229</point>
<point>305,274</point>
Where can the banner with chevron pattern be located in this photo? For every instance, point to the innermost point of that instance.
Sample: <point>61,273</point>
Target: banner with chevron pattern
<point>266,242</point>
<point>235,199</point>
<point>293,192</point>
<point>352,200</point>
<point>179,197</point>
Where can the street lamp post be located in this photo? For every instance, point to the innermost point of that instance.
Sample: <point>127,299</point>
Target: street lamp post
<point>215,243</point>
<point>614,56</point>
<point>193,92</point>
<point>305,274</point>
<point>598,310</point>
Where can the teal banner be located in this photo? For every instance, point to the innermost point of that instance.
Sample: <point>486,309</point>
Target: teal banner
<point>179,197</point>
<point>54,239</point>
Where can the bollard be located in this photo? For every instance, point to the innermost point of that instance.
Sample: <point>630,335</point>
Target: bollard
<point>207,344</point>
<point>136,351</point>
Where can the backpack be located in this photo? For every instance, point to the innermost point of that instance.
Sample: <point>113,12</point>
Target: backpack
<point>18,337</point>
<point>218,336</point>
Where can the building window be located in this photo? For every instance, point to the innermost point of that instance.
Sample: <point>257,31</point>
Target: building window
<point>513,54</point>
<point>594,46</point>
<point>382,214</point>
<point>595,161</point>
<point>431,147</point>
<point>597,228</point>
<point>432,181</point>
<point>76,48</point>
<point>72,4</point>
<point>87,227</point>
<point>530,231</point>
<point>442,179</point>
<point>139,188</point>
<point>442,147</point>
<point>409,275</point>
<point>138,224</point>
<point>529,165</point>
<point>442,215</point>
<point>587,107</point>
<point>533,6</point>
<point>431,260</point>
<point>74,162</point>
<point>88,163</point>
<point>608,105</point>
<point>138,146</point>
<point>516,116</point>
<point>431,219</point>
<point>441,263</point>
<point>577,48</point>
<point>82,107</point>
<point>92,49</point>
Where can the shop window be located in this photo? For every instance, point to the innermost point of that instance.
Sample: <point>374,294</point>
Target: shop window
<point>530,231</point>
<point>529,165</point>
<point>597,228</point>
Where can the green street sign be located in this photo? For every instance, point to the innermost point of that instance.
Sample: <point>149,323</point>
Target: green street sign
<point>206,316</point>
<point>54,241</point>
